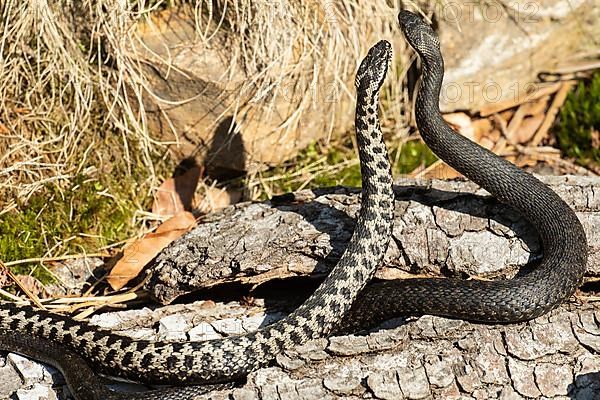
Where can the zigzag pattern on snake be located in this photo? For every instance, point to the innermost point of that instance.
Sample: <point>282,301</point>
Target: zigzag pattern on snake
<point>522,298</point>
<point>234,357</point>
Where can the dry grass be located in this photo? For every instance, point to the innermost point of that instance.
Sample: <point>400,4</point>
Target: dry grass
<point>71,80</point>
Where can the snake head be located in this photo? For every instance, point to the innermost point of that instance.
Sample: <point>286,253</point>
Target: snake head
<point>419,35</point>
<point>374,66</point>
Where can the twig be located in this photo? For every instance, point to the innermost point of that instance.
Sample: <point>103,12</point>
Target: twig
<point>50,259</point>
<point>16,280</point>
<point>557,102</point>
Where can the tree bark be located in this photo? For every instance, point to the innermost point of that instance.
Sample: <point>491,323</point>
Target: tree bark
<point>555,356</point>
<point>441,228</point>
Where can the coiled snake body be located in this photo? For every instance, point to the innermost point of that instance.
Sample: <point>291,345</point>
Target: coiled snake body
<point>21,327</point>
<point>518,299</point>
<point>563,238</point>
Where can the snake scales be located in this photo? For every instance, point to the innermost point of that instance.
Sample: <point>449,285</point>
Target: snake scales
<point>522,298</point>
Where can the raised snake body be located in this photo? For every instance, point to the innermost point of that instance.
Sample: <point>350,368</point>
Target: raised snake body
<point>563,238</point>
<point>525,297</point>
<point>233,357</point>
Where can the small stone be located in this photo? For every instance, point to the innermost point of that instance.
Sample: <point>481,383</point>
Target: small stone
<point>552,379</point>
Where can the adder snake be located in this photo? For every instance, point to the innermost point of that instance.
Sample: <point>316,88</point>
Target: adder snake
<point>524,297</point>
<point>233,357</point>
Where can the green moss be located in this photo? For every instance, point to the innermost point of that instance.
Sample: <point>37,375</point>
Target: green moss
<point>325,166</point>
<point>80,218</point>
<point>82,214</point>
<point>410,156</point>
<point>578,128</point>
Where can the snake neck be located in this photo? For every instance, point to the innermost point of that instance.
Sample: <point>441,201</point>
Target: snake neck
<point>369,138</point>
<point>508,183</point>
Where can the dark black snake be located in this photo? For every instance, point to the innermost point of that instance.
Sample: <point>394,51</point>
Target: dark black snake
<point>522,298</point>
<point>563,238</point>
<point>24,329</point>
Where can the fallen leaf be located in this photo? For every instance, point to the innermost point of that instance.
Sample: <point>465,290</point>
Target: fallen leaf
<point>216,199</point>
<point>538,107</point>
<point>31,284</point>
<point>439,170</point>
<point>139,253</point>
<point>175,194</point>
<point>482,128</point>
<point>528,128</point>
<point>462,123</point>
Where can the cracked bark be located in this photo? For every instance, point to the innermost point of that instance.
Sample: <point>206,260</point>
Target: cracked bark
<point>556,356</point>
<point>441,228</point>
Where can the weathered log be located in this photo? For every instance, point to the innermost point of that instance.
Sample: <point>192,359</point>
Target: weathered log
<point>555,356</point>
<point>448,228</point>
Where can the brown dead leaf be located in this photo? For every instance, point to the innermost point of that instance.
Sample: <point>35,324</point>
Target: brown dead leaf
<point>139,253</point>
<point>552,111</point>
<point>595,138</point>
<point>462,123</point>
<point>506,115</point>
<point>482,128</point>
<point>537,91</point>
<point>216,199</point>
<point>31,284</point>
<point>176,194</point>
<point>528,128</point>
<point>439,170</point>
<point>538,106</point>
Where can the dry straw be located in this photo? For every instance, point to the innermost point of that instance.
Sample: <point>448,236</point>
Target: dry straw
<point>70,74</point>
